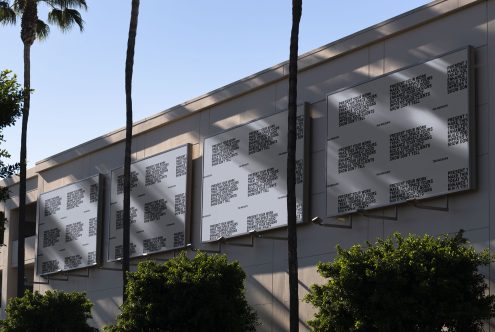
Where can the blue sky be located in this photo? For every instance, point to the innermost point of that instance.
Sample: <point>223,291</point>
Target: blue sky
<point>184,49</point>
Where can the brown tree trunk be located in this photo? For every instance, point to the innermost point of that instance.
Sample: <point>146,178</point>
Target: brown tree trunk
<point>28,35</point>
<point>129,64</point>
<point>291,169</point>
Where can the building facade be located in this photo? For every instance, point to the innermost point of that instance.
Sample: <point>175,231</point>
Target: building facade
<point>411,39</point>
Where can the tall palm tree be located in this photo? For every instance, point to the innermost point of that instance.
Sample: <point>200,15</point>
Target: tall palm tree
<point>129,66</point>
<point>291,168</point>
<point>64,14</point>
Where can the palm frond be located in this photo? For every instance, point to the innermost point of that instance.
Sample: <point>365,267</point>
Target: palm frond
<point>42,30</point>
<point>7,14</point>
<point>63,4</point>
<point>65,19</point>
<point>18,6</point>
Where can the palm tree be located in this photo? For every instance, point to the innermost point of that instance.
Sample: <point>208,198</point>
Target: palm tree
<point>291,168</point>
<point>63,14</point>
<point>129,66</point>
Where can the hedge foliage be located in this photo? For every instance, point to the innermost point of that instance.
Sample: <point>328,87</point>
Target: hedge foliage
<point>404,284</point>
<point>53,311</point>
<point>205,293</point>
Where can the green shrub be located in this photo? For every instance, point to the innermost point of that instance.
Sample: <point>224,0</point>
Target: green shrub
<point>205,293</point>
<point>404,284</point>
<point>53,311</point>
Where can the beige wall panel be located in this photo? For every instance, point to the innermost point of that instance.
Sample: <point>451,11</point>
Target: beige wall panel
<point>31,184</point>
<point>482,129</point>
<point>204,128</point>
<point>436,38</point>
<point>466,2</point>
<point>281,316</point>
<point>315,83</point>
<point>259,284</point>
<point>265,317</point>
<point>259,254</point>
<point>105,306</point>
<point>316,239</point>
<point>318,116</point>
<point>376,227</point>
<point>102,161</point>
<point>13,201</point>
<point>307,275</point>
<point>197,167</point>
<point>376,59</point>
<point>242,109</point>
<point>318,172</point>
<point>170,136</point>
<point>72,283</point>
<point>105,279</point>
<point>478,238</point>
<point>481,75</point>
<point>196,215</point>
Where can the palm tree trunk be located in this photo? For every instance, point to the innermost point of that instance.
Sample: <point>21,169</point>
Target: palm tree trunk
<point>129,64</point>
<point>22,182</point>
<point>28,35</point>
<point>291,169</point>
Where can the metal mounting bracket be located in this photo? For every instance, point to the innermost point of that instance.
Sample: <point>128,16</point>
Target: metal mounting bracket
<point>418,204</point>
<point>375,216</point>
<point>41,282</point>
<point>56,279</point>
<point>79,275</point>
<point>318,221</point>
<point>270,237</point>
<point>211,251</point>
<point>109,269</point>
<point>237,244</point>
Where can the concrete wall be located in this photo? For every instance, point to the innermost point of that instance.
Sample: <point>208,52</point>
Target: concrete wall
<point>413,37</point>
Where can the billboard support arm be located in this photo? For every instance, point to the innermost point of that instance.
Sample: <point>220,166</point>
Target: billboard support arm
<point>375,216</point>
<point>418,205</point>
<point>48,278</point>
<point>211,251</point>
<point>41,282</point>
<point>318,221</point>
<point>80,275</point>
<point>109,269</point>
<point>187,247</point>
<point>237,244</point>
<point>268,237</point>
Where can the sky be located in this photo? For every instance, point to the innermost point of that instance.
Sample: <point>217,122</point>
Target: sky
<point>184,49</point>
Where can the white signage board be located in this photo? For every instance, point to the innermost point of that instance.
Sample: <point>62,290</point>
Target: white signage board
<point>69,226</point>
<point>403,136</point>
<point>160,204</point>
<point>245,177</point>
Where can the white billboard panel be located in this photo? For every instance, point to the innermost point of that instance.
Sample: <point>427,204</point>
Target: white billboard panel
<point>160,204</point>
<point>403,136</point>
<point>69,226</point>
<point>245,177</point>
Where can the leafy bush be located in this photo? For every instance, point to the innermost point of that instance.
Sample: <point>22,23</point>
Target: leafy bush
<point>11,97</point>
<point>53,311</point>
<point>404,284</point>
<point>205,293</point>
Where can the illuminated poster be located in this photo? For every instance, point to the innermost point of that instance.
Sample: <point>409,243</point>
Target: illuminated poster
<point>244,177</point>
<point>403,136</point>
<point>69,226</point>
<point>160,204</point>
